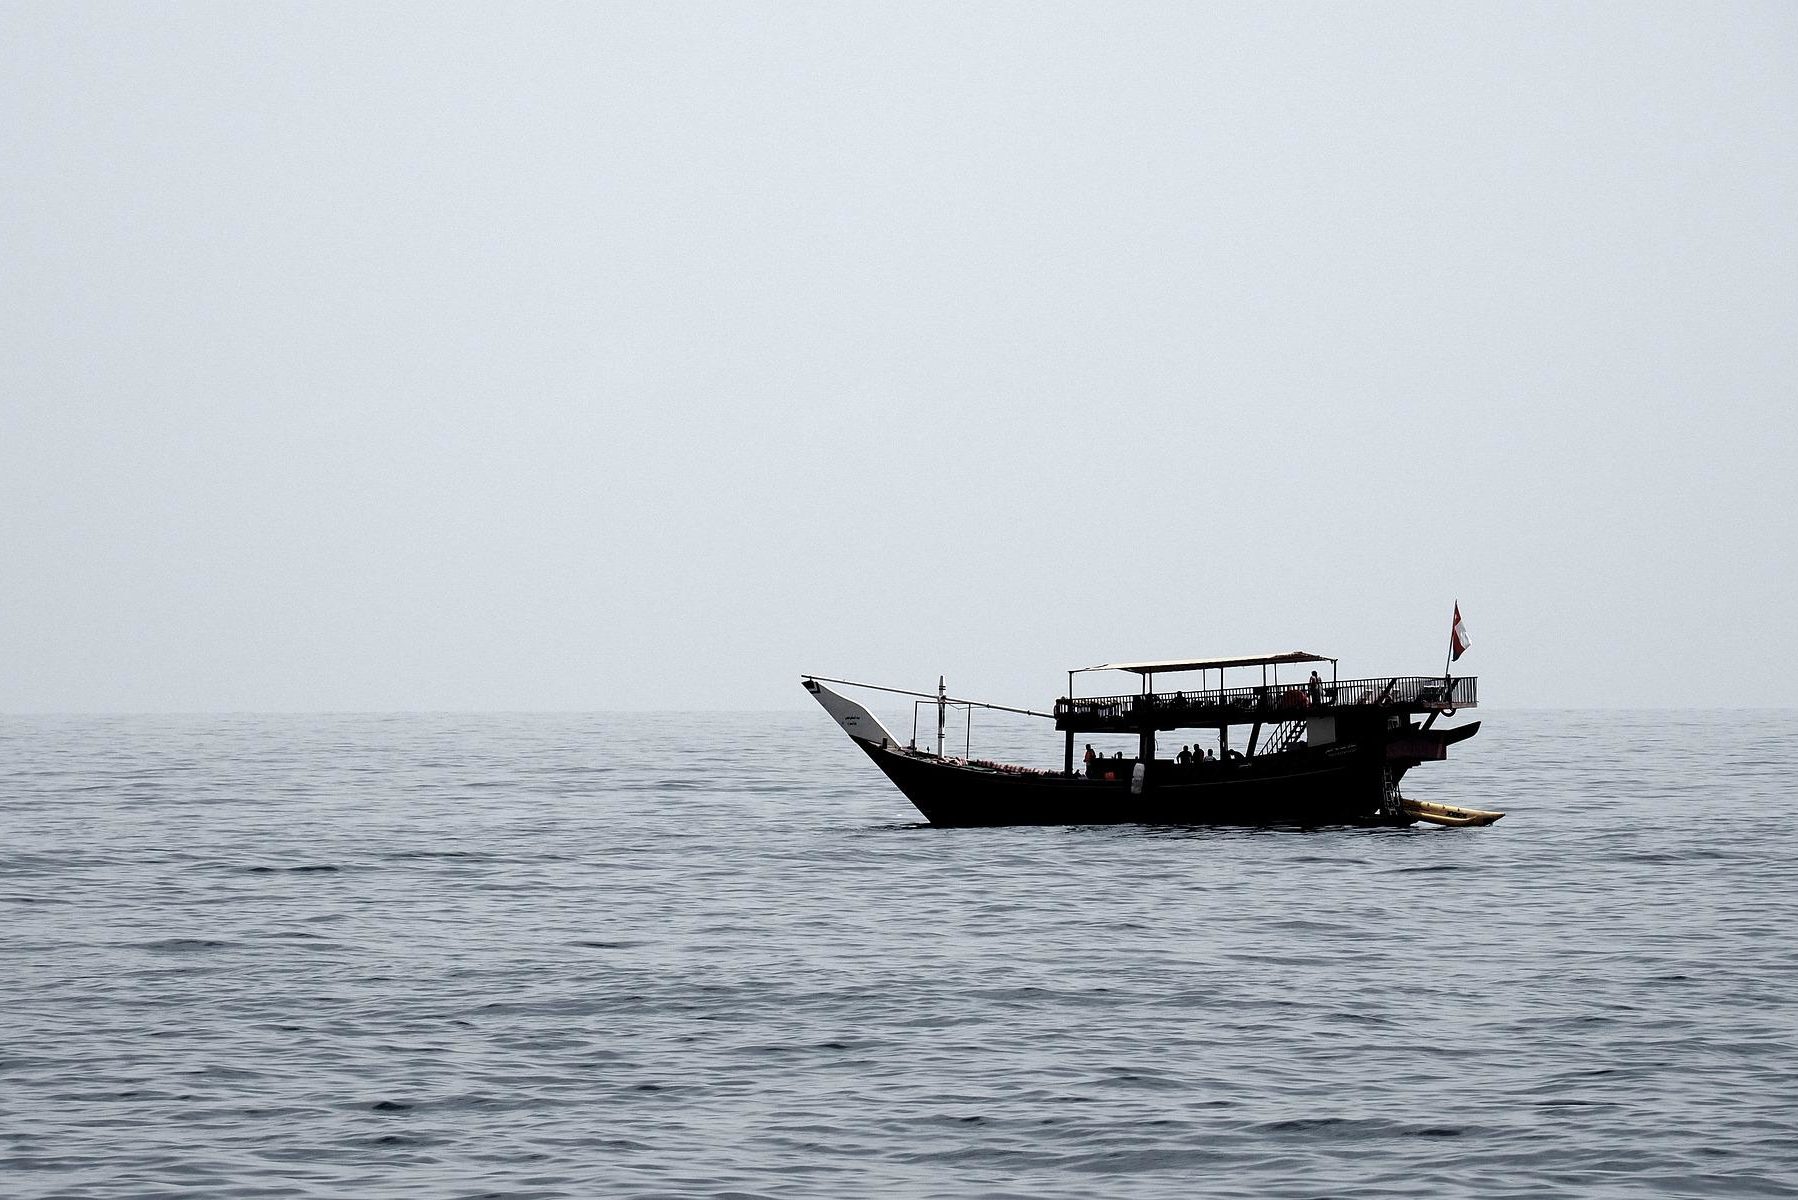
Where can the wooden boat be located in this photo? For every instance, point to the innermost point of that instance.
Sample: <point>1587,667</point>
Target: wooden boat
<point>1447,814</point>
<point>1315,753</point>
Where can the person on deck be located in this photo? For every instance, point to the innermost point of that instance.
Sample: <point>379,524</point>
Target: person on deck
<point>1184,758</point>
<point>1317,688</point>
<point>1090,756</point>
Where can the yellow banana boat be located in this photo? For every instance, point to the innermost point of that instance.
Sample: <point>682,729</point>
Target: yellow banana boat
<point>1447,814</point>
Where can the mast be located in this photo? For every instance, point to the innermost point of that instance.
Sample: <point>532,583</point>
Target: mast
<point>942,711</point>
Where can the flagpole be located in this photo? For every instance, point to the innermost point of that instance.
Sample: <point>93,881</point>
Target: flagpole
<point>1449,660</point>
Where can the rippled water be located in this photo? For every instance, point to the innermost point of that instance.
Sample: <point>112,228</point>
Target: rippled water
<point>714,956</point>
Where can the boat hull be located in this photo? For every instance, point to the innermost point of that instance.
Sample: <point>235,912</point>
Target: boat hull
<point>1343,787</point>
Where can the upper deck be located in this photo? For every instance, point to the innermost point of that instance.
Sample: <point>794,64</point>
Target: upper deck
<point>1217,707</point>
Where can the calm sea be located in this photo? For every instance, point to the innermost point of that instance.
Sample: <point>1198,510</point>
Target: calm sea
<point>709,956</point>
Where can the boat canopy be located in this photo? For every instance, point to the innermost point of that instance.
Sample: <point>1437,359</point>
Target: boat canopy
<point>1210,664</point>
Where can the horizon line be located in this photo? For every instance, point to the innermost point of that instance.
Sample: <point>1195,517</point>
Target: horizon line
<point>423,712</point>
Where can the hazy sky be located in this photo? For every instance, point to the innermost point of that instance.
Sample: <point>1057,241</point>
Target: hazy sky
<point>644,356</point>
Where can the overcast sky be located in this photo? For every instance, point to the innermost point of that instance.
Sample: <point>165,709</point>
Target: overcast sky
<point>644,356</point>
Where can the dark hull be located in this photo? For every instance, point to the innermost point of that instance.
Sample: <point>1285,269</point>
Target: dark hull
<point>1342,785</point>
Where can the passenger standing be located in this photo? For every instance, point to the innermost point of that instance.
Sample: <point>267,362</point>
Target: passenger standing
<point>1317,689</point>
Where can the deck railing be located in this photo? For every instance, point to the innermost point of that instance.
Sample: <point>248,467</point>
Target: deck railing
<point>1270,702</point>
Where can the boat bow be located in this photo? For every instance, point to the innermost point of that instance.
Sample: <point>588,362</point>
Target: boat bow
<point>856,721</point>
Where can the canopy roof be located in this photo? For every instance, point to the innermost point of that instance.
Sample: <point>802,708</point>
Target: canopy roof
<point>1203,664</point>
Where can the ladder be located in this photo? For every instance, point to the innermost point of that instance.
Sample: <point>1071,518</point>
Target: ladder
<point>1283,737</point>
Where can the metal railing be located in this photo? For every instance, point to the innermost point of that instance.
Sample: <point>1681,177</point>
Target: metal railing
<point>1275,702</point>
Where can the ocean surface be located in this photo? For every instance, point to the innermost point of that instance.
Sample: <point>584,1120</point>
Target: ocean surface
<point>703,955</point>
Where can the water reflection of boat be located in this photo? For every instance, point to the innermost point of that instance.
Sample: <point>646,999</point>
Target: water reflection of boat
<point>1317,752</point>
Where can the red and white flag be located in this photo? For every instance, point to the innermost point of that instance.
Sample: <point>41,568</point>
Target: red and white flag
<point>1458,641</point>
